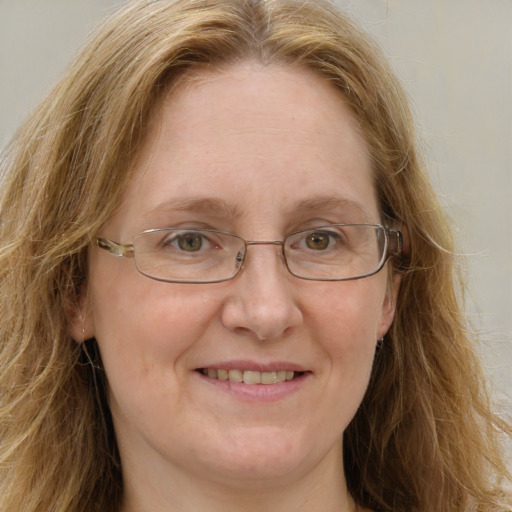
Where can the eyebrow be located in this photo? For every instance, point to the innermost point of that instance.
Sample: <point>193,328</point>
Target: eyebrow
<point>331,202</point>
<point>219,207</point>
<point>212,205</point>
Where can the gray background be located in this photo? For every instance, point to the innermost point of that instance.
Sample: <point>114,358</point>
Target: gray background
<point>454,57</point>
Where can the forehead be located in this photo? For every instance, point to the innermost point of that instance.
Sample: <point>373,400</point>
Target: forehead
<point>249,98</point>
<point>252,136</point>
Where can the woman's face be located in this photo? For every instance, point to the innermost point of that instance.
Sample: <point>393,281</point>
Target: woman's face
<point>260,152</point>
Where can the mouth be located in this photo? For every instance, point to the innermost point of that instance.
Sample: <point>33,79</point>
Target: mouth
<point>251,377</point>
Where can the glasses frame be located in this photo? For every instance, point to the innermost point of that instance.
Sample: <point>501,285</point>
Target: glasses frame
<point>393,249</point>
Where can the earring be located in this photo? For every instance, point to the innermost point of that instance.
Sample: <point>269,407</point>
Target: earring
<point>379,345</point>
<point>82,319</point>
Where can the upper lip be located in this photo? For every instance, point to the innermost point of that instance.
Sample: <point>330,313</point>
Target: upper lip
<point>255,366</point>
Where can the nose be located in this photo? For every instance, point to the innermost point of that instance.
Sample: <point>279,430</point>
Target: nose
<point>263,301</point>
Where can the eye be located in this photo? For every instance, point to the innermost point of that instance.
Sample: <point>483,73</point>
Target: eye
<point>317,241</point>
<point>191,241</point>
<point>320,240</point>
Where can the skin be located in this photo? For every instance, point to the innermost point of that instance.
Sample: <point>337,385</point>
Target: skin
<point>272,143</point>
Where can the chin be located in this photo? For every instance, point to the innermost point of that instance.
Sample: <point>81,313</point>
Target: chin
<point>265,456</point>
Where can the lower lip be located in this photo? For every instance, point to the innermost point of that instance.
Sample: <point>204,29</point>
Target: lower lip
<point>257,392</point>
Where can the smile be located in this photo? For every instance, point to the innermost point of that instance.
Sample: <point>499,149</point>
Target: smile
<point>251,377</point>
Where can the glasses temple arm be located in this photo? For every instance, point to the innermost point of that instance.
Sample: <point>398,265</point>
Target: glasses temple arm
<point>119,250</point>
<point>396,242</point>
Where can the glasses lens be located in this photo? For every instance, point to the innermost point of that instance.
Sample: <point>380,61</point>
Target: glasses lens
<point>188,255</point>
<point>334,252</point>
<point>338,251</point>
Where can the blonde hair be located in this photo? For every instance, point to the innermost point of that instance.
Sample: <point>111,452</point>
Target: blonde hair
<point>424,437</point>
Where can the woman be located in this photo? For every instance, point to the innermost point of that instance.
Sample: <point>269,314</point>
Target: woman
<point>226,282</point>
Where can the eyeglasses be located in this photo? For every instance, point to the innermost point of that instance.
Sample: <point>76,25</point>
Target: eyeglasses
<point>336,252</point>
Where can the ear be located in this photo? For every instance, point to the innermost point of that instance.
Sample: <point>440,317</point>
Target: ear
<point>79,317</point>
<point>389,305</point>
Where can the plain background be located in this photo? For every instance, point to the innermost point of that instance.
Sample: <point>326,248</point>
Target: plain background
<point>455,59</point>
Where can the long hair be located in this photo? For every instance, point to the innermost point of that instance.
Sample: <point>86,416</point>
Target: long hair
<point>424,438</point>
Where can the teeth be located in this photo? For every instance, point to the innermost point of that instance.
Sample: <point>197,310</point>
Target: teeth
<point>236,375</point>
<point>269,378</point>
<point>249,377</point>
<point>222,374</point>
<point>252,377</point>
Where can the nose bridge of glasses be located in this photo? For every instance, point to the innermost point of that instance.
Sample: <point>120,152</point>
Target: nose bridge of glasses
<point>278,243</point>
<point>264,242</point>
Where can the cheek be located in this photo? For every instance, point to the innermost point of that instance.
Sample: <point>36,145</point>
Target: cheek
<point>346,323</point>
<point>144,328</point>
<point>145,340</point>
<point>349,311</point>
